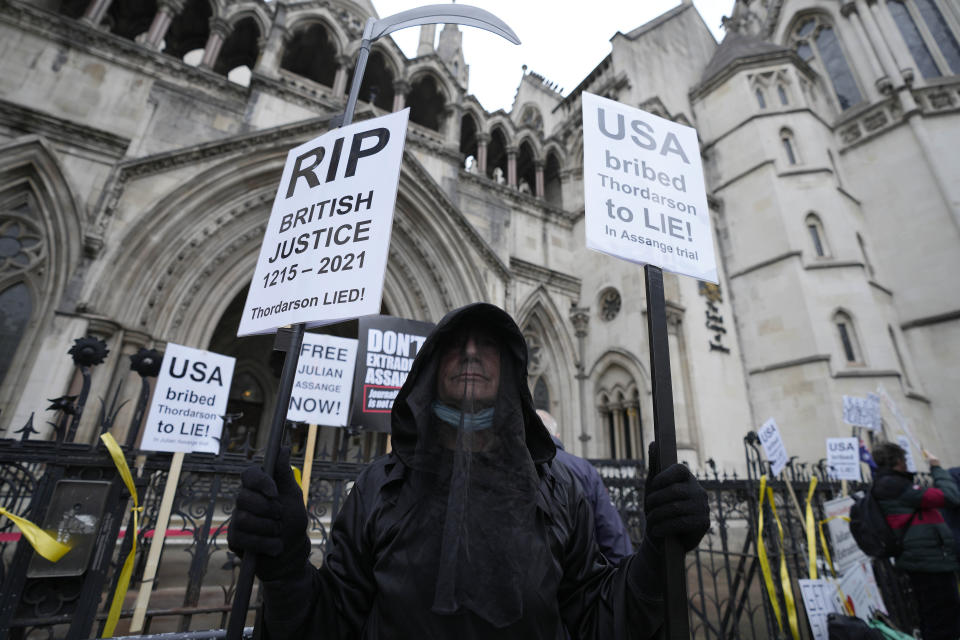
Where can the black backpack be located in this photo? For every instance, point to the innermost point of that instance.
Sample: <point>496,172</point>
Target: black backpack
<point>870,529</point>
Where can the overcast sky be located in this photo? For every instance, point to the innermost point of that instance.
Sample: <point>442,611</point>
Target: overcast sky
<point>561,40</point>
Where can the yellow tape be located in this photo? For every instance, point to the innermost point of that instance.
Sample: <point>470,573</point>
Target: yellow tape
<point>766,493</point>
<point>785,574</point>
<point>297,476</point>
<point>41,541</point>
<point>764,561</point>
<point>124,581</point>
<point>811,536</point>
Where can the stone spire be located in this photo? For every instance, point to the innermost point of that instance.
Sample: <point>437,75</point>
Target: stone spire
<point>428,34</point>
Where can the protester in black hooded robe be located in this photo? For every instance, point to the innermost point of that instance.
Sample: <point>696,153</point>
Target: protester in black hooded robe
<point>466,529</point>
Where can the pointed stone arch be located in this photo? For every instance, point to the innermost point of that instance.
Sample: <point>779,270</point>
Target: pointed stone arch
<point>36,198</point>
<point>620,385</point>
<point>539,316</point>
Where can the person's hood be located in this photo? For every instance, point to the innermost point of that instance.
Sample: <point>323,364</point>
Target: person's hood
<point>418,391</point>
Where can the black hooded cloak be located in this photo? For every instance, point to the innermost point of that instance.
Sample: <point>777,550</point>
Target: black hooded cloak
<point>522,561</point>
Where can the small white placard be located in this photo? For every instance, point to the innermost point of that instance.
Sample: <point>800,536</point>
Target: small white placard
<point>325,248</point>
<point>189,401</point>
<point>645,198</point>
<point>904,442</point>
<point>843,458</point>
<point>862,412</point>
<point>773,446</point>
<point>819,599</point>
<point>846,553</point>
<point>321,388</point>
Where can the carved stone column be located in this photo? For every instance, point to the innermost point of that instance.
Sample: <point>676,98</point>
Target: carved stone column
<point>483,139</point>
<point>512,167</point>
<point>166,11</point>
<point>95,11</point>
<point>269,61</point>
<point>451,124</point>
<point>580,317</point>
<point>538,178</point>
<point>881,80</point>
<point>401,88</point>
<point>875,34</point>
<point>219,31</point>
<point>342,77</point>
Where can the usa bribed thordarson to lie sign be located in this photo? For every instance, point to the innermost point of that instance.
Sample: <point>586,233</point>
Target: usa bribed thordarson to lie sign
<point>645,195</point>
<point>325,248</point>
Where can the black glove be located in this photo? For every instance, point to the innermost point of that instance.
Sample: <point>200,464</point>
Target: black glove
<point>271,521</point>
<point>675,504</point>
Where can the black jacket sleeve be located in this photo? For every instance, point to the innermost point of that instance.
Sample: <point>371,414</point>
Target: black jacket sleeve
<point>332,601</point>
<point>600,601</point>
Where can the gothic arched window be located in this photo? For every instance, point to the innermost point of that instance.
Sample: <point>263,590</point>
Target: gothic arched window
<point>817,236</point>
<point>760,99</point>
<point>426,103</point>
<point>847,335</point>
<point>789,148</point>
<point>782,94</point>
<point>541,395</point>
<point>239,52</point>
<point>312,54</point>
<point>552,187</point>
<point>15,310</point>
<point>928,37</point>
<point>815,40</point>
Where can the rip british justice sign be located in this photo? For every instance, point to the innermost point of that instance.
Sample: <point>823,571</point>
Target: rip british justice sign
<point>325,248</point>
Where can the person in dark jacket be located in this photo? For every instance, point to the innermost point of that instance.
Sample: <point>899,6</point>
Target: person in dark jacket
<point>952,514</point>
<point>928,549</point>
<point>468,528</point>
<point>611,534</point>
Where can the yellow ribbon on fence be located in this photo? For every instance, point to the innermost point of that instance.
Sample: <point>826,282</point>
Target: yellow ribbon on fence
<point>811,536</point>
<point>124,581</point>
<point>766,493</point>
<point>297,476</point>
<point>41,541</point>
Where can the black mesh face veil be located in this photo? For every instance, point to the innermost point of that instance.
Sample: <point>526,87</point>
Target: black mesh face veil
<point>474,474</point>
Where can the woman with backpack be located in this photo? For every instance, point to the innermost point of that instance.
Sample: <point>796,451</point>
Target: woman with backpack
<point>928,554</point>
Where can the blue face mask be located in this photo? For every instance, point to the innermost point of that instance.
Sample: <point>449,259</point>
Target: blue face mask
<point>469,421</point>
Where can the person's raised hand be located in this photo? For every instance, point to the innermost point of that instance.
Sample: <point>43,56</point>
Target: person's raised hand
<point>675,504</point>
<point>932,459</point>
<point>270,520</point>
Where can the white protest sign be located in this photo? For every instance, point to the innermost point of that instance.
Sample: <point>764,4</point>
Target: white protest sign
<point>325,248</point>
<point>645,195</point>
<point>862,412</point>
<point>773,446</point>
<point>819,599</point>
<point>189,401</point>
<point>843,458</point>
<point>901,419</point>
<point>321,388</point>
<point>859,586</point>
<point>904,443</point>
<point>846,553</point>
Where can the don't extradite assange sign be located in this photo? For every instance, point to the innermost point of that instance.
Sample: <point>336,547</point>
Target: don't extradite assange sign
<point>324,251</point>
<point>645,198</point>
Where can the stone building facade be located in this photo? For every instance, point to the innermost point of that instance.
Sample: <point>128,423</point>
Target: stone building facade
<point>141,142</point>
